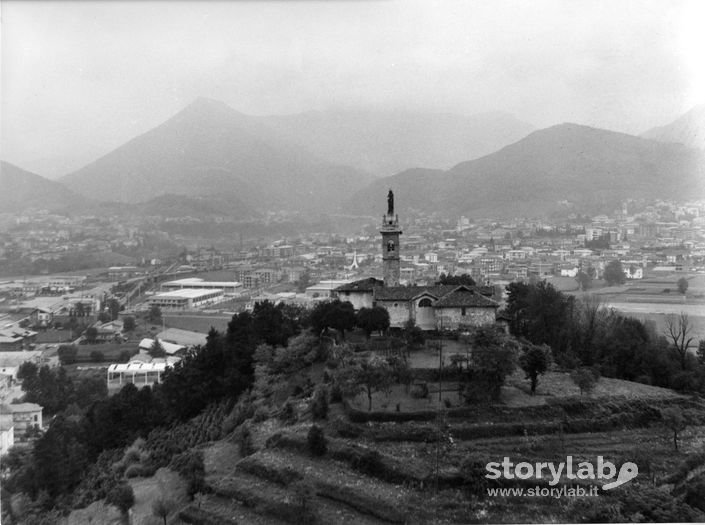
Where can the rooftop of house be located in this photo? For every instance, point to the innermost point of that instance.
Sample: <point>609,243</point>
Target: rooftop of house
<point>17,408</point>
<point>363,285</point>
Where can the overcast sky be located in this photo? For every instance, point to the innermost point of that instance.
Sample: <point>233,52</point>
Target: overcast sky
<point>81,78</point>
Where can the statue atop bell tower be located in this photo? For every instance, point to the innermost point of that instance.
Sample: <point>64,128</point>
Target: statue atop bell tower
<point>390,231</point>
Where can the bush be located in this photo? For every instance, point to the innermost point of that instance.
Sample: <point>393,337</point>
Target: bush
<point>319,405</point>
<point>138,471</point>
<point>68,354</point>
<point>189,464</point>
<point>97,356</point>
<point>585,379</point>
<point>124,356</point>
<point>261,414</point>
<point>336,394</point>
<point>304,495</point>
<point>245,441</point>
<point>288,413</point>
<point>317,443</point>
<point>695,495</point>
<point>473,471</point>
<point>370,462</point>
<point>122,496</point>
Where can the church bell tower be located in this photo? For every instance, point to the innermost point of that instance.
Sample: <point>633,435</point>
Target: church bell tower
<point>390,244</point>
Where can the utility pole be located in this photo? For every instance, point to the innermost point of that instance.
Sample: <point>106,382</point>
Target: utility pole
<point>440,366</point>
<point>438,412</point>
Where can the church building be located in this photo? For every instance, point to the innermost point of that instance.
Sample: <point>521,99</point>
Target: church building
<point>437,307</point>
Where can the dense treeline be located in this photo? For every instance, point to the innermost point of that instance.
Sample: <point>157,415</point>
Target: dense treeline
<point>583,332</point>
<point>87,425</point>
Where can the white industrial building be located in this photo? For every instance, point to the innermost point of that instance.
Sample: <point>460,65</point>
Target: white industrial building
<point>139,373</point>
<point>194,283</point>
<point>187,299</point>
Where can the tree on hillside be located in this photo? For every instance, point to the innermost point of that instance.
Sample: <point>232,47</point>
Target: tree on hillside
<point>271,323</point>
<point>157,349</point>
<point>113,307</point>
<point>161,507</point>
<point>372,319</point>
<point>674,421</point>
<point>79,309</point>
<point>413,335</point>
<point>67,354</point>
<point>91,334</point>
<point>584,280</point>
<point>493,357</point>
<point>614,273</point>
<point>534,361</point>
<point>682,285</point>
<point>585,379</point>
<point>363,375</point>
<point>154,315</point>
<point>456,279</point>
<point>303,282</point>
<point>122,496</point>
<point>128,324</point>
<point>336,314</point>
<point>678,330</point>
<point>541,314</point>
<point>700,353</point>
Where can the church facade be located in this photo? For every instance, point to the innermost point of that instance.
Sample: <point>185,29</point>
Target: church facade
<point>450,307</point>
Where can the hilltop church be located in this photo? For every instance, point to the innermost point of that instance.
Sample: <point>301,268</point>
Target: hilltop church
<point>437,307</point>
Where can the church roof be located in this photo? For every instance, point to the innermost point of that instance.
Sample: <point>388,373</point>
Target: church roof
<point>404,293</point>
<point>407,293</point>
<point>363,285</point>
<point>463,298</point>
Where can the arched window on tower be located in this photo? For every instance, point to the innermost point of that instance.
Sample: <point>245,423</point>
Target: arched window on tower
<point>425,303</point>
<point>390,246</point>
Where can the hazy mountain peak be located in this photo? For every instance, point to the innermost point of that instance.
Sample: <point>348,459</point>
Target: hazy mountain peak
<point>688,129</point>
<point>567,167</point>
<point>209,148</point>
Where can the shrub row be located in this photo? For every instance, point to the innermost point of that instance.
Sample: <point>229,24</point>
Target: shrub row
<point>606,414</point>
<point>277,504</point>
<point>197,516</point>
<point>690,463</point>
<point>361,502</point>
<point>281,475</point>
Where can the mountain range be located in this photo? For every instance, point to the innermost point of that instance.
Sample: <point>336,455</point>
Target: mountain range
<point>567,166</point>
<point>212,160</point>
<point>208,148</point>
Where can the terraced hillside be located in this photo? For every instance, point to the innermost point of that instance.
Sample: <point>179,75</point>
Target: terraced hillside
<point>426,472</point>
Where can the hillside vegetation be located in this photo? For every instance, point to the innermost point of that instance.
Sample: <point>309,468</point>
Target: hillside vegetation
<point>269,423</point>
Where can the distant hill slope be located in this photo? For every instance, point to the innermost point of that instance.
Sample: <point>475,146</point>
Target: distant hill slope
<point>688,129</point>
<point>385,143</point>
<point>592,169</point>
<point>21,190</point>
<point>209,148</point>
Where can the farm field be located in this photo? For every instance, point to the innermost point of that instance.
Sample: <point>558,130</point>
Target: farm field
<point>657,313</point>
